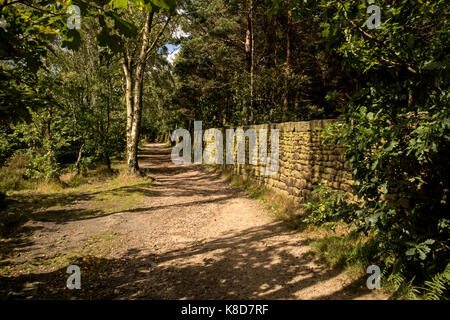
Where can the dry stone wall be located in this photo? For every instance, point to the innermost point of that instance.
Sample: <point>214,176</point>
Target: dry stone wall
<point>304,161</point>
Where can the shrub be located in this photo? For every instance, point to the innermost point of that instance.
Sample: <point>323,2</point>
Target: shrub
<point>324,205</point>
<point>395,132</point>
<point>19,161</point>
<point>43,167</point>
<point>77,181</point>
<point>12,176</point>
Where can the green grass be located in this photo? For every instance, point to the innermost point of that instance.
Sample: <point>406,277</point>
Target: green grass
<point>97,193</point>
<point>342,251</point>
<point>100,194</point>
<point>12,174</point>
<point>93,194</point>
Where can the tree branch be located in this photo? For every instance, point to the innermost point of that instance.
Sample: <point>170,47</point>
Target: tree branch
<point>152,46</point>
<point>379,42</point>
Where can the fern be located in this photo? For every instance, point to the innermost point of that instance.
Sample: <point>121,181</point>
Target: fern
<point>404,288</point>
<point>437,288</point>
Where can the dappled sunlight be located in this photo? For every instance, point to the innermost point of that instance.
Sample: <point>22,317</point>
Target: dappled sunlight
<point>185,235</point>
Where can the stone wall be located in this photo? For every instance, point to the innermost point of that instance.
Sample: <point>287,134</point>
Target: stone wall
<point>303,161</point>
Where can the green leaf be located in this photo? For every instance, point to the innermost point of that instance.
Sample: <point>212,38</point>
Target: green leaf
<point>125,28</point>
<point>373,218</point>
<point>326,29</point>
<point>391,146</point>
<point>119,3</point>
<point>446,123</point>
<point>384,188</point>
<point>165,4</point>
<point>374,165</point>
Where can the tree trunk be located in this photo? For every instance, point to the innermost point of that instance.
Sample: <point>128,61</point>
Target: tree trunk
<point>128,79</point>
<point>134,70</point>
<point>252,68</point>
<point>288,63</point>
<point>77,164</point>
<point>134,78</point>
<point>108,126</point>
<point>250,51</point>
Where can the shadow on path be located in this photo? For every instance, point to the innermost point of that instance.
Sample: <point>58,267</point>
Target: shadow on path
<point>259,260</point>
<point>233,267</point>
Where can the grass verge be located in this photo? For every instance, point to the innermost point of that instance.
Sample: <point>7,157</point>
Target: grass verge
<point>94,194</point>
<point>336,244</point>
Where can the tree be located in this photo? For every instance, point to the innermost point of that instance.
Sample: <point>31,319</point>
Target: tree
<point>133,69</point>
<point>117,33</point>
<point>27,34</point>
<point>136,47</point>
<point>88,89</point>
<point>396,130</point>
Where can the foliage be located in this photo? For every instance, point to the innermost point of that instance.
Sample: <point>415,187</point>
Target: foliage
<point>324,205</point>
<point>10,141</point>
<point>35,28</point>
<point>438,287</point>
<point>12,176</point>
<point>62,103</point>
<point>396,130</point>
<point>44,167</point>
<point>24,43</point>
<point>214,68</point>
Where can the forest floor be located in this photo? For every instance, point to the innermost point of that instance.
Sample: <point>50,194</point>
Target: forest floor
<point>187,234</point>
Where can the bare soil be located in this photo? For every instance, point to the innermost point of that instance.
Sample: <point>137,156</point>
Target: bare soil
<point>194,237</point>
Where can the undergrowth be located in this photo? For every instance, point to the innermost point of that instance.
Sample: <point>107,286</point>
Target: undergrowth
<point>92,193</point>
<point>342,245</point>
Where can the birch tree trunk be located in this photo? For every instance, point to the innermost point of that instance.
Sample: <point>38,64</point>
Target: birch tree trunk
<point>133,71</point>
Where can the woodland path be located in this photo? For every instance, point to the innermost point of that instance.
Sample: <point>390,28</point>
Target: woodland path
<point>197,237</point>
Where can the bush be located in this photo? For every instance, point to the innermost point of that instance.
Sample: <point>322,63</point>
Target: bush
<point>43,167</point>
<point>324,205</point>
<point>395,132</point>
<point>99,173</point>
<point>12,176</point>
<point>77,181</point>
<point>19,161</point>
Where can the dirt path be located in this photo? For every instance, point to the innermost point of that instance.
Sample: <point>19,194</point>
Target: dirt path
<point>196,237</point>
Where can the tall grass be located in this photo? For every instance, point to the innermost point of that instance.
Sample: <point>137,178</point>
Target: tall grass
<point>12,175</point>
